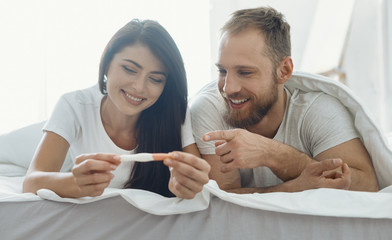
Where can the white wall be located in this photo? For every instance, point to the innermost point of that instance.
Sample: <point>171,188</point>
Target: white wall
<point>365,60</point>
<point>387,13</point>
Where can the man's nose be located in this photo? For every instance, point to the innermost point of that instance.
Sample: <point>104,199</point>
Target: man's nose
<point>231,84</point>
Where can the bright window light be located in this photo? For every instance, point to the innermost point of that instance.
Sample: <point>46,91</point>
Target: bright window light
<point>52,47</point>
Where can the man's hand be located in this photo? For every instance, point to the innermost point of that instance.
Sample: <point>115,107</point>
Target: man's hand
<point>324,174</point>
<point>328,173</point>
<point>239,148</point>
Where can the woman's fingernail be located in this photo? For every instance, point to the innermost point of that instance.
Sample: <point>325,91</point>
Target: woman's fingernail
<point>168,161</point>
<point>112,166</point>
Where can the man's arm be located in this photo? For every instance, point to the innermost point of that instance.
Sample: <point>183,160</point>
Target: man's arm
<point>354,153</point>
<point>241,149</point>
<point>312,177</point>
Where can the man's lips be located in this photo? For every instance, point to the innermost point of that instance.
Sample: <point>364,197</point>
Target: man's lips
<point>237,103</point>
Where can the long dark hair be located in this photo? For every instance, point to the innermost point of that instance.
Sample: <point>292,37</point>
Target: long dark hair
<point>158,128</point>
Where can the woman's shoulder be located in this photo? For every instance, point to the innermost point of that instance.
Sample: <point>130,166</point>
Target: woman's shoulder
<point>87,96</point>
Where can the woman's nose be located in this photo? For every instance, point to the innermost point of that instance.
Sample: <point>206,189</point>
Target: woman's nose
<point>138,83</point>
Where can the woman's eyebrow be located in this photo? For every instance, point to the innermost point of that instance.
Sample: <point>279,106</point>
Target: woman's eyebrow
<point>135,63</point>
<point>158,72</point>
<point>141,67</point>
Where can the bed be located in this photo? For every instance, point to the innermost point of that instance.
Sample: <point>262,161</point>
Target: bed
<point>212,214</point>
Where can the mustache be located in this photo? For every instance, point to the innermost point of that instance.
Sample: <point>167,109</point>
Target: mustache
<point>237,95</point>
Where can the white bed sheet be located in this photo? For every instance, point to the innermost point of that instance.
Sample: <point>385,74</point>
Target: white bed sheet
<point>319,202</point>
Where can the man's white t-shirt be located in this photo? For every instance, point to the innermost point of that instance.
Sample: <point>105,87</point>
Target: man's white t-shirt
<point>313,122</point>
<point>76,118</point>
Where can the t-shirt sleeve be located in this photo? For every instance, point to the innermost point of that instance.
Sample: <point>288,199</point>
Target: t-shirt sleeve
<point>62,120</point>
<point>206,112</point>
<point>187,135</point>
<point>327,123</point>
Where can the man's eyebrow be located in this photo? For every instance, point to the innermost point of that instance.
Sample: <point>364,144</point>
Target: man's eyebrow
<point>237,66</point>
<point>218,65</point>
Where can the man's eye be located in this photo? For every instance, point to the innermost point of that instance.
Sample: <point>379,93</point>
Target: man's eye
<point>221,71</point>
<point>245,73</point>
<point>128,69</point>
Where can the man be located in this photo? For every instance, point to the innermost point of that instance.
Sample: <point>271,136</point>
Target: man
<point>260,136</point>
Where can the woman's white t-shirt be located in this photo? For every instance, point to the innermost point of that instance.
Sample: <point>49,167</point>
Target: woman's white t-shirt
<point>76,118</point>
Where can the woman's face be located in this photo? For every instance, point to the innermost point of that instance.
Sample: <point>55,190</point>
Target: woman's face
<point>135,79</point>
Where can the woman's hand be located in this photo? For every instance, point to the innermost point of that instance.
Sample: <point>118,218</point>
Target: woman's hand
<point>188,174</point>
<point>92,172</point>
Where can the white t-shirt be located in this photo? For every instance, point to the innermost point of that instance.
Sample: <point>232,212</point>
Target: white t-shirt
<point>76,118</point>
<point>313,122</point>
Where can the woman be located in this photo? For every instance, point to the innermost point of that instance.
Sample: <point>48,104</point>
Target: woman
<point>139,106</point>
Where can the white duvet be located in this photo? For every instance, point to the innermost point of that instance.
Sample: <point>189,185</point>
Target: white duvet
<point>321,202</point>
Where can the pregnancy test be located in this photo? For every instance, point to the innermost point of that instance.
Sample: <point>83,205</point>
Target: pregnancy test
<point>145,157</point>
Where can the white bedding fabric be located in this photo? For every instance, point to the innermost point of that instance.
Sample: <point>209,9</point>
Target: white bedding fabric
<point>320,202</point>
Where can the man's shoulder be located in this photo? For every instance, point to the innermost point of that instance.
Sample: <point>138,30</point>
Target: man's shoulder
<point>313,101</point>
<point>207,95</point>
<point>302,98</point>
<point>210,89</point>
<point>309,89</point>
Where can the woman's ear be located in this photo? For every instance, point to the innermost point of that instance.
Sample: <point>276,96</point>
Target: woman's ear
<point>285,70</point>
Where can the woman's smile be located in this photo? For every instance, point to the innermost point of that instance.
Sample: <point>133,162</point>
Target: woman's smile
<point>132,99</point>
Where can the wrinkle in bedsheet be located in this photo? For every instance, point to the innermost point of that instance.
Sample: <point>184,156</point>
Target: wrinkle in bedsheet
<point>319,202</point>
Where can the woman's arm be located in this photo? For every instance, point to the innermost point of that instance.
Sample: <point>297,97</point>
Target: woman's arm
<point>89,177</point>
<point>45,166</point>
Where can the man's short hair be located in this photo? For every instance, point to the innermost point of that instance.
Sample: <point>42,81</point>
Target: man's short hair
<point>269,22</point>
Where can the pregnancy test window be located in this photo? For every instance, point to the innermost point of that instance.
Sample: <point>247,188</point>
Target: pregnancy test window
<point>52,47</point>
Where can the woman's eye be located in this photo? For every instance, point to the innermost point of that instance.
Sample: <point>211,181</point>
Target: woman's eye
<point>156,80</point>
<point>128,69</point>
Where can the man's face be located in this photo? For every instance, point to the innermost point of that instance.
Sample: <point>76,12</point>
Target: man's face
<point>247,79</point>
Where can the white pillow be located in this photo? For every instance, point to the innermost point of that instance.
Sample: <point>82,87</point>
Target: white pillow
<point>17,149</point>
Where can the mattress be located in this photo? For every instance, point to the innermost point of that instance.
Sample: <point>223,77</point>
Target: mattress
<point>213,214</point>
